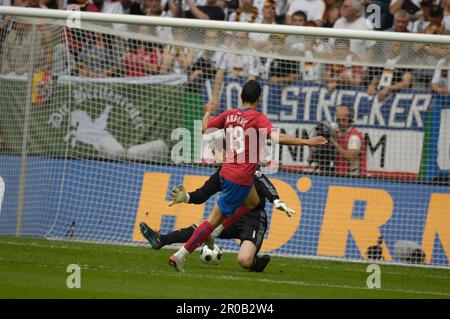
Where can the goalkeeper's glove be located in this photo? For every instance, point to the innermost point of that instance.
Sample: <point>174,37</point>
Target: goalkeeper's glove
<point>179,195</point>
<point>280,205</point>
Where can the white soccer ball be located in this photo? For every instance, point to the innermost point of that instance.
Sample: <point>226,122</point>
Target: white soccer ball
<point>211,257</point>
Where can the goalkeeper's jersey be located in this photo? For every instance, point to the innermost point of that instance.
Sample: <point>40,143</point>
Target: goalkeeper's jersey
<point>213,185</point>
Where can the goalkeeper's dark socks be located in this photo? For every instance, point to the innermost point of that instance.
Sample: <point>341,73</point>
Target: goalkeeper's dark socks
<point>199,236</point>
<point>178,236</point>
<point>260,263</point>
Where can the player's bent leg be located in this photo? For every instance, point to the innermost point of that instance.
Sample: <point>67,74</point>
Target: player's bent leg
<point>198,237</point>
<point>216,217</point>
<point>227,222</point>
<point>158,240</point>
<point>260,263</point>
<point>252,199</point>
<point>181,235</point>
<point>246,254</point>
<point>231,198</point>
<point>204,229</point>
<point>252,202</point>
<point>248,259</point>
<point>231,204</point>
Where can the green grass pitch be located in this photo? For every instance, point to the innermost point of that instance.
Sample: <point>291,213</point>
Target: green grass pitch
<point>36,268</point>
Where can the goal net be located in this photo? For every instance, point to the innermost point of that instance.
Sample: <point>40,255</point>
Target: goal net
<point>100,120</point>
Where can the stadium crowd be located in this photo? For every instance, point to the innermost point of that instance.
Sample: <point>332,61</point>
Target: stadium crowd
<point>324,13</point>
<point>419,16</point>
<point>101,55</point>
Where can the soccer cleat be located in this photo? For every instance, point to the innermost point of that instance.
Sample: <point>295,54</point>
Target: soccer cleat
<point>260,263</point>
<point>151,235</point>
<point>178,263</point>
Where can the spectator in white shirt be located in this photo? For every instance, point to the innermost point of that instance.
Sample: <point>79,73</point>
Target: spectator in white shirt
<point>429,54</point>
<point>112,6</point>
<point>115,7</point>
<point>246,13</point>
<point>401,21</point>
<point>391,78</point>
<point>440,83</point>
<point>314,9</point>
<point>259,4</point>
<point>446,5</point>
<point>5,3</point>
<point>177,59</point>
<point>419,25</point>
<point>346,74</point>
<point>176,8</point>
<point>352,18</point>
<point>314,48</point>
<point>274,69</point>
<point>235,65</point>
<point>205,67</point>
<point>259,40</point>
<point>297,42</point>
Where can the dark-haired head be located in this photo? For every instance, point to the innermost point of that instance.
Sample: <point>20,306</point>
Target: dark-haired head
<point>251,92</point>
<point>436,11</point>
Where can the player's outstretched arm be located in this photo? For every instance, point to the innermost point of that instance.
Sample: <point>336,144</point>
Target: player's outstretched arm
<point>200,195</point>
<point>265,186</point>
<point>209,109</point>
<point>209,188</point>
<point>282,206</point>
<point>291,140</point>
<point>179,195</point>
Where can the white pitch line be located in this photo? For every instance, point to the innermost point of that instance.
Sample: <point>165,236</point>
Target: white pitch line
<point>118,250</point>
<point>237,278</point>
<point>281,282</point>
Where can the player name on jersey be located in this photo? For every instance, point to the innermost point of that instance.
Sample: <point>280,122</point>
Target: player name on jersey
<point>236,118</point>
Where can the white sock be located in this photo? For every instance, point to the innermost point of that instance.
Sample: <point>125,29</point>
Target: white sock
<point>217,231</point>
<point>182,253</point>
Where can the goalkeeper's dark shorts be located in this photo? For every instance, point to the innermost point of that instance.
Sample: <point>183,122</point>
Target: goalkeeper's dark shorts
<point>250,227</point>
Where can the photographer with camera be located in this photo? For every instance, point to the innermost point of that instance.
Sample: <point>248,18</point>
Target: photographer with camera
<point>322,158</point>
<point>349,143</point>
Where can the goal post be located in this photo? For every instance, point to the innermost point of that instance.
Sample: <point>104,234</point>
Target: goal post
<point>100,118</point>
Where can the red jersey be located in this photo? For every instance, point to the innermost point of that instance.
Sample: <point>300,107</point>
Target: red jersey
<point>356,166</point>
<point>136,68</point>
<point>243,128</point>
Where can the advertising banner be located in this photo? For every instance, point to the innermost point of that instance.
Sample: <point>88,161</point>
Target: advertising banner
<point>134,119</point>
<point>393,130</point>
<point>335,217</point>
<point>436,163</point>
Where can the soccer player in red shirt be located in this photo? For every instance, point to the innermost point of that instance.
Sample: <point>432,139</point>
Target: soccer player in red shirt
<point>238,193</point>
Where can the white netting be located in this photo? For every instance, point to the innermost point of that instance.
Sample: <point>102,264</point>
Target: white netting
<point>88,117</point>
